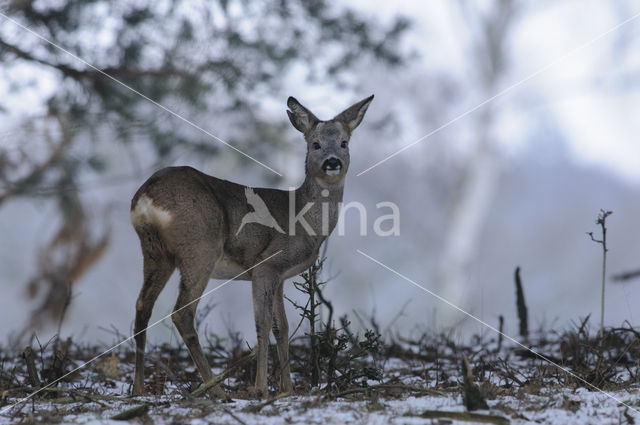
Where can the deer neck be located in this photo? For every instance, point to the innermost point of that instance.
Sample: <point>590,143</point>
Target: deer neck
<point>325,199</point>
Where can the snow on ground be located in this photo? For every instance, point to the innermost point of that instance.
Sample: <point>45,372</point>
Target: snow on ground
<point>560,407</point>
<point>519,388</point>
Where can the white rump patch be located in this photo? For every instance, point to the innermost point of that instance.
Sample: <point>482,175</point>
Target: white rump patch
<point>146,213</point>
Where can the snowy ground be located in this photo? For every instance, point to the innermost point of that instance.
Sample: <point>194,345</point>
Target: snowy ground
<point>555,407</point>
<point>422,384</point>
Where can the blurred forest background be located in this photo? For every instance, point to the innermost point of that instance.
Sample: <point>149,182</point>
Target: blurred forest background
<point>516,182</point>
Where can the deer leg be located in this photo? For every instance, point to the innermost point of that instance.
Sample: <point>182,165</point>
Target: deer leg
<point>156,273</point>
<point>280,327</point>
<point>192,284</point>
<point>263,289</point>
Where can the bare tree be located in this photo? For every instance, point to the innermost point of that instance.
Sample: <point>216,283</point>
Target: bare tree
<point>73,248</point>
<point>203,59</point>
<point>479,181</point>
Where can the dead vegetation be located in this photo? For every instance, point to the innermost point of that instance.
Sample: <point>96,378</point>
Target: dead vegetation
<point>329,363</point>
<point>363,370</point>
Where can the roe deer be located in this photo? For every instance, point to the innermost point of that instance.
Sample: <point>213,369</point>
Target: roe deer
<point>212,228</point>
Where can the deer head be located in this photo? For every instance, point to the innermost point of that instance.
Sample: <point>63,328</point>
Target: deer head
<point>327,158</point>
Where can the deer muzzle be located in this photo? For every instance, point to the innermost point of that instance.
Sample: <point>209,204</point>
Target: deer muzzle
<point>332,166</point>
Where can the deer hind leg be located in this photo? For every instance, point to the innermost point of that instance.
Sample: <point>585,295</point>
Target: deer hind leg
<point>280,327</point>
<point>157,270</point>
<point>195,275</point>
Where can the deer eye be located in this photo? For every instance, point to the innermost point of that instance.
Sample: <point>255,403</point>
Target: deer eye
<point>343,144</point>
<point>316,145</point>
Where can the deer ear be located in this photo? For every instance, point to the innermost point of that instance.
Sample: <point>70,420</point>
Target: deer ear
<point>352,116</point>
<point>301,118</point>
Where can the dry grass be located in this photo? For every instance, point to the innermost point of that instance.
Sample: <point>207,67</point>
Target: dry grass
<point>364,370</point>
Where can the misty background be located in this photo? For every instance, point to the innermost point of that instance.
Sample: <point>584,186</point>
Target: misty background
<point>516,182</point>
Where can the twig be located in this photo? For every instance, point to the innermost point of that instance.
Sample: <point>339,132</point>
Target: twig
<point>65,307</point>
<point>310,288</point>
<point>501,326</point>
<point>621,277</point>
<point>506,372</point>
<point>301,317</point>
<point>166,369</point>
<point>583,325</point>
<point>602,218</point>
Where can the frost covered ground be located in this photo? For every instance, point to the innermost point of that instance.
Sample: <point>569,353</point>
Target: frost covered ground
<point>562,407</point>
<point>421,382</point>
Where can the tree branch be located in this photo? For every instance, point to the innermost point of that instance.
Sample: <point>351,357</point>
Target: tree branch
<point>91,73</point>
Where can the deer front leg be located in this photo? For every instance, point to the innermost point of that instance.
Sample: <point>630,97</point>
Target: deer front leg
<point>280,328</point>
<point>264,285</point>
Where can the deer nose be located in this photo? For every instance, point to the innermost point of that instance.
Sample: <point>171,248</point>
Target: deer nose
<point>332,164</point>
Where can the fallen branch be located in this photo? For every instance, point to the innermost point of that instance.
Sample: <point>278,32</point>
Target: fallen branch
<point>71,392</point>
<point>258,407</point>
<point>466,416</point>
<point>386,387</point>
<point>224,375</point>
<point>75,396</point>
<point>134,412</point>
